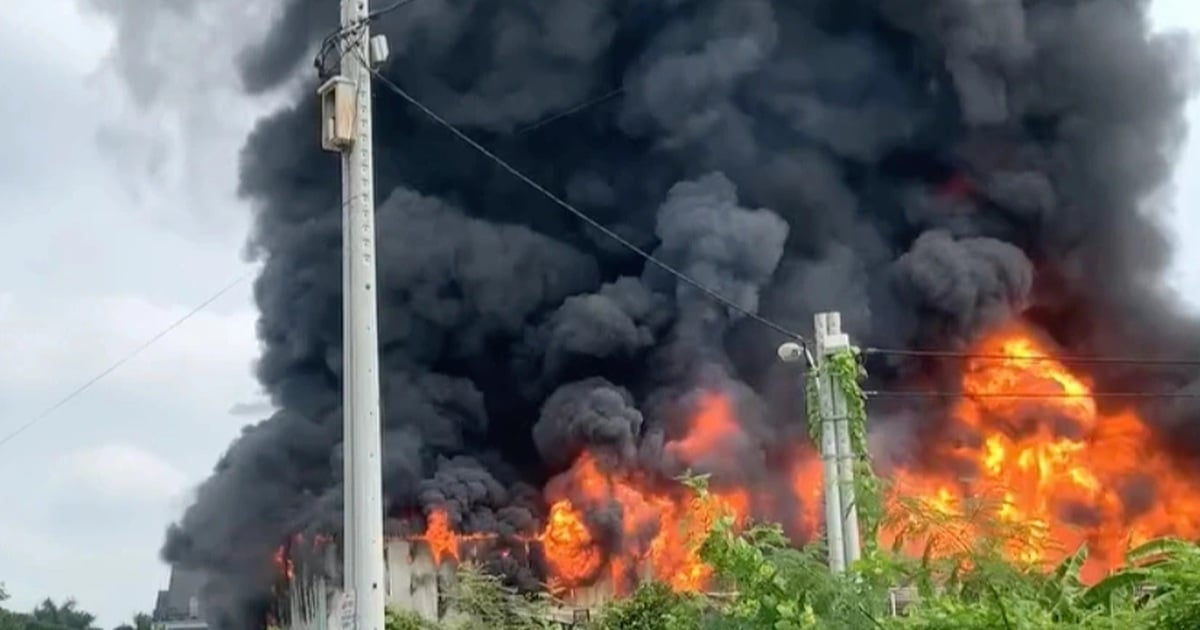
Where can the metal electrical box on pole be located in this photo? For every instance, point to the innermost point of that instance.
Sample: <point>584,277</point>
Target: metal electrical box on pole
<point>337,113</point>
<point>346,123</point>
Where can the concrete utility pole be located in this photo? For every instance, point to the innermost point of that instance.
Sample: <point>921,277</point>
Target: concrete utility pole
<point>837,455</point>
<point>836,452</point>
<point>346,128</point>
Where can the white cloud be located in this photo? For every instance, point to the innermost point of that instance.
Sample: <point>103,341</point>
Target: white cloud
<point>91,273</point>
<point>1185,275</point>
<point>48,342</point>
<point>40,27</point>
<point>176,113</point>
<point>125,473</point>
<point>213,343</point>
<point>24,545</point>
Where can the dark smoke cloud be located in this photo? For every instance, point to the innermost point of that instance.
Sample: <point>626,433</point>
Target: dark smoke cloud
<point>620,321</point>
<point>588,415</point>
<point>970,283</point>
<point>928,167</point>
<point>474,499</point>
<point>704,234</point>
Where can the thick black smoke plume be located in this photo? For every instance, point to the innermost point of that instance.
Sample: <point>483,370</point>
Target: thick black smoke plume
<point>927,167</point>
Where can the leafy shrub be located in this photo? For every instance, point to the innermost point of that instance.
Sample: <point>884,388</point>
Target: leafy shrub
<point>405,620</point>
<point>653,606</point>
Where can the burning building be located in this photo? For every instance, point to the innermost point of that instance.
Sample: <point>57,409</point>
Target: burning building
<point>178,607</point>
<point>420,579</point>
<point>970,177</point>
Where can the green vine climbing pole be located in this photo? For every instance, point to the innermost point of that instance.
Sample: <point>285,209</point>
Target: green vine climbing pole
<point>847,373</point>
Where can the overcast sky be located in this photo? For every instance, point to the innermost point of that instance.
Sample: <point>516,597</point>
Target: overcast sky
<point>119,217</point>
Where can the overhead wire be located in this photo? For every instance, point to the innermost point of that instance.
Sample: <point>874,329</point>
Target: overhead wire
<point>333,42</point>
<point>580,214</point>
<point>88,384</point>
<point>339,36</point>
<point>708,291</point>
<point>894,393</point>
<point>374,15</point>
<point>952,354</point>
<point>530,128</point>
<point>919,393</point>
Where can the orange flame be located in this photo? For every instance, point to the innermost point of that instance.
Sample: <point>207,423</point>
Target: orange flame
<point>442,540</point>
<point>285,567</point>
<point>805,482</point>
<point>572,553</point>
<point>444,543</point>
<point>661,529</point>
<point>1056,461</point>
<point>1059,463</point>
<point>283,563</point>
<point>658,530</point>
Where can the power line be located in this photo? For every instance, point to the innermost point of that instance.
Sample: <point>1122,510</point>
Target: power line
<point>374,15</point>
<point>650,258</point>
<point>73,394</point>
<point>951,354</point>
<point>334,42</point>
<point>886,393</point>
<point>581,215</point>
<point>573,110</point>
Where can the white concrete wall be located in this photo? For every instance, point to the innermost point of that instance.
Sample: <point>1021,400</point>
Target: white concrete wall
<point>413,582</point>
<point>190,624</point>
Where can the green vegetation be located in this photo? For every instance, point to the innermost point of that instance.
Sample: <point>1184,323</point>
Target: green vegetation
<point>779,587</point>
<point>761,582</point>
<point>773,586</point>
<point>847,372</point>
<point>50,615</point>
<point>140,621</point>
<point>967,585</point>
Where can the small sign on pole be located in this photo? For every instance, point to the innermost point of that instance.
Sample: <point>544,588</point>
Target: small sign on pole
<point>346,610</point>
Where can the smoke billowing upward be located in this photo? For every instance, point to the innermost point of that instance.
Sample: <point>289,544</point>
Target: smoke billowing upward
<point>930,168</point>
